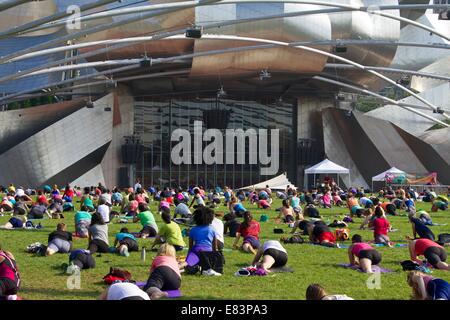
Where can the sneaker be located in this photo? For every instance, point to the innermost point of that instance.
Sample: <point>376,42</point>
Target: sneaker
<point>124,252</point>
<point>211,272</point>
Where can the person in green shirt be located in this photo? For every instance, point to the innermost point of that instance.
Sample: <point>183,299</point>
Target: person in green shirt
<point>82,222</point>
<point>89,204</point>
<point>147,220</point>
<point>169,233</point>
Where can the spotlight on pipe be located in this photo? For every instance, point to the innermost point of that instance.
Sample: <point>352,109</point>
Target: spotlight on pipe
<point>194,33</point>
<point>439,110</point>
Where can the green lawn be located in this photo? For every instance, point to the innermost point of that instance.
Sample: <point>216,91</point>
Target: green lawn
<point>42,277</point>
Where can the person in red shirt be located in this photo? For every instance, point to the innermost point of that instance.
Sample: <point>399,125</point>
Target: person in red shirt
<point>68,192</point>
<point>249,230</point>
<point>433,252</point>
<point>381,226</point>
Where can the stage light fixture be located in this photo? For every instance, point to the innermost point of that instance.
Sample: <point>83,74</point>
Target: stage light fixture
<point>264,75</point>
<point>221,92</point>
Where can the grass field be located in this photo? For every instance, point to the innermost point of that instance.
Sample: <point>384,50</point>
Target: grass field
<point>43,277</point>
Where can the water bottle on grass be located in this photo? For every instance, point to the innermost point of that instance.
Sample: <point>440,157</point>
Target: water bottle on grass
<point>143,254</point>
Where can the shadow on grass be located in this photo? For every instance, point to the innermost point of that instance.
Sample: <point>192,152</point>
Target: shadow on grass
<point>53,292</point>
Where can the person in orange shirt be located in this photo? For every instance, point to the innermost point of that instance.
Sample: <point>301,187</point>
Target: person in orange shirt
<point>389,208</point>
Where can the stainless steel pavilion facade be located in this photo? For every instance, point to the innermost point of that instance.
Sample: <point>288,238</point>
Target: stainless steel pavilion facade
<point>258,64</point>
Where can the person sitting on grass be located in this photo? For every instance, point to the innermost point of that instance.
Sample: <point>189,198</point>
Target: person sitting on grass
<point>362,254</point>
<point>164,273</point>
<point>123,291</point>
<point>319,233</point>
<point>147,220</point>
<point>312,212</point>
<point>20,207</point>
<point>425,287</point>
<point>419,228</point>
<point>202,238</point>
<point>86,200</point>
<point>270,255</point>
<point>381,226</point>
<point>287,212</point>
<point>433,252</point>
<point>317,292</point>
<point>169,233</point>
<point>249,230</point>
<point>325,200</point>
<point>125,242</point>
<point>9,276</point>
<point>82,222</point>
<point>98,235</point>
<point>59,240</point>
<point>198,199</point>
<point>116,197</point>
<point>337,200</point>
<point>231,224</point>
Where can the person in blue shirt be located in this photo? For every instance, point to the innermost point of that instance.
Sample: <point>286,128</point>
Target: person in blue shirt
<point>126,242</point>
<point>202,238</point>
<point>419,228</point>
<point>116,197</point>
<point>236,207</point>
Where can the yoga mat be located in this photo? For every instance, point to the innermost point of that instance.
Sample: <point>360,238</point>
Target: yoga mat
<point>374,268</point>
<point>397,245</point>
<point>171,293</point>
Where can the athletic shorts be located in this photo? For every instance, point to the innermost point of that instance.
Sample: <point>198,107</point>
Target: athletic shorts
<point>434,255</point>
<point>7,287</point>
<point>82,228</point>
<point>149,230</point>
<point>371,254</point>
<point>163,278</point>
<point>130,243</point>
<point>381,238</point>
<point>390,209</point>
<point>439,289</point>
<point>59,245</point>
<point>280,257</point>
<point>253,242</point>
<point>84,261</point>
<point>16,222</point>
<point>288,219</point>
<point>327,236</point>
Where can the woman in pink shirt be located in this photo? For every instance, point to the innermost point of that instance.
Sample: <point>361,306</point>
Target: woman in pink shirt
<point>263,204</point>
<point>326,200</point>
<point>164,273</point>
<point>362,254</point>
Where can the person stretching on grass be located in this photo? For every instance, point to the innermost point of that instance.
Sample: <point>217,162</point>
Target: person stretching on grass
<point>98,235</point>
<point>249,230</point>
<point>270,255</point>
<point>433,252</point>
<point>164,273</point>
<point>169,233</point>
<point>82,222</point>
<point>319,233</point>
<point>317,292</point>
<point>426,287</point>
<point>419,228</point>
<point>126,242</point>
<point>362,254</point>
<point>59,240</point>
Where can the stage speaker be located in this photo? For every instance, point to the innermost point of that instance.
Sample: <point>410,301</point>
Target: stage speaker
<point>216,119</point>
<point>194,33</point>
<point>132,153</point>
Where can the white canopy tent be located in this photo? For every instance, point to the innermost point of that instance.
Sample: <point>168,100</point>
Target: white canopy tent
<point>326,167</point>
<point>382,176</point>
<point>278,183</point>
